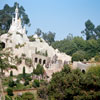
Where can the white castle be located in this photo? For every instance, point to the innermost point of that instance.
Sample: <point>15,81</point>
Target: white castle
<point>16,25</point>
<point>18,42</point>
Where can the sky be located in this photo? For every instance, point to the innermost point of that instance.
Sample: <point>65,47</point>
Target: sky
<point>59,16</point>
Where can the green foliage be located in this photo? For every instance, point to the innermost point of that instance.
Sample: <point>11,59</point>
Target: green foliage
<point>39,70</point>
<point>28,62</point>
<point>7,97</point>
<point>11,73</point>
<point>72,85</point>
<point>38,32</point>
<point>19,45</point>
<point>36,83</point>
<point>23,55</point>
<point>10,91</point>
<point>18,60</point>
<point>11,83</point>
<point>89,30</point>
<point>97,58</point>
<point>18,98</point>
<point>95,70</point>
<point>31,38</point>
<point>78,56</point>
<point>24,74</point>
<point>19,34</point>
<point>28,96</point>
<point>68,46</point>
<point>49,37</point>
<point>46,53</point>
<point>26,82</point>
<point>25,96</point>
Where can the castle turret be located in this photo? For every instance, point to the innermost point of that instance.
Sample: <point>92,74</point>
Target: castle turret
<point>16,14</point>
<point>16,25</point>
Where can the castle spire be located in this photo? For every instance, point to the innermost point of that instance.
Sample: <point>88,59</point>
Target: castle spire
<point>16,13</point>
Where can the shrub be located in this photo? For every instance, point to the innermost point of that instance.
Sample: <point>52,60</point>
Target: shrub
<point>18,60</point>
<point>24,74</point>
<point>19,34</point>
<point>23,55</point>
<point>28,96</point>
<point>39,70</point>
<point>36,83</point>
<point>78,56</point>
<point>11,73</point>
<point>97,58</point>
<point>8,97</point>
<point>95,70</point>
<point>11,83</point>
<point>28,62</point>
<point>26,82</point>
<point>10,91</point>
<point>31,38</point>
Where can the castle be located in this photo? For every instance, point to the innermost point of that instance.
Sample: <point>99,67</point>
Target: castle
<point>18,43</point>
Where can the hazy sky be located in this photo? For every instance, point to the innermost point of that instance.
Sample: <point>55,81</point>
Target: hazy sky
<point>59,16</point>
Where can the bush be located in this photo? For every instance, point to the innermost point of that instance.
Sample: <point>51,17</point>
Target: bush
<point>97,58</point>
<point>28,62</point>
<point>78,56</point>
<point>36,83</point>
<point>28,96</point>
<point>8,97</point>
<point>95,70</point>
<point>24,74</point>
<point>10,91</point>
<point>39,70</point>
<point>11,73</point>
<point>11,83</point>
<point>31,38</point>
<point>26,82</point>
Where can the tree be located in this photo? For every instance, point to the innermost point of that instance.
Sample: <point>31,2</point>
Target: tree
<point>73,85</point>
<point>24,74</point>
<point>49,37</point>
<point>39,70</point>
<point>38,32</point>
<point>28,96</point>
<point>80,42</point>
<point>97,31</point>
<point>89,30</point>
<point>10,91</point>
<point>78,56</point>
<point>11,73</point>
<point>4,65</point>
<point>6,15</point>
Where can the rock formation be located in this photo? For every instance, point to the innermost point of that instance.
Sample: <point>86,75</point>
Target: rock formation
<point>18,42</point>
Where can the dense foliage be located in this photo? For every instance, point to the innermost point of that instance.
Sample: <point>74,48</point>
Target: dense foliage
<point>71,46</point>
<point>39,70</point>
<point>72,85</point>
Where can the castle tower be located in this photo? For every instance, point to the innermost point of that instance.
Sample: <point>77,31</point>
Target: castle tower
<point>16,25</point>
<point>16,14</point>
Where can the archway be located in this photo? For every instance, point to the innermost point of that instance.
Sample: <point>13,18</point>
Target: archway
<point>2,45</point>
<point>44,62</point>
<point>83,71</point>
<point>36,59</point>
<point>40,61</point>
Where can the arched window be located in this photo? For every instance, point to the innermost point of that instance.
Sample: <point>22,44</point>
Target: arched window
<point>2,44</point>
<point>40,60</point>
<point>36,59</point>
<point>44,62</point>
